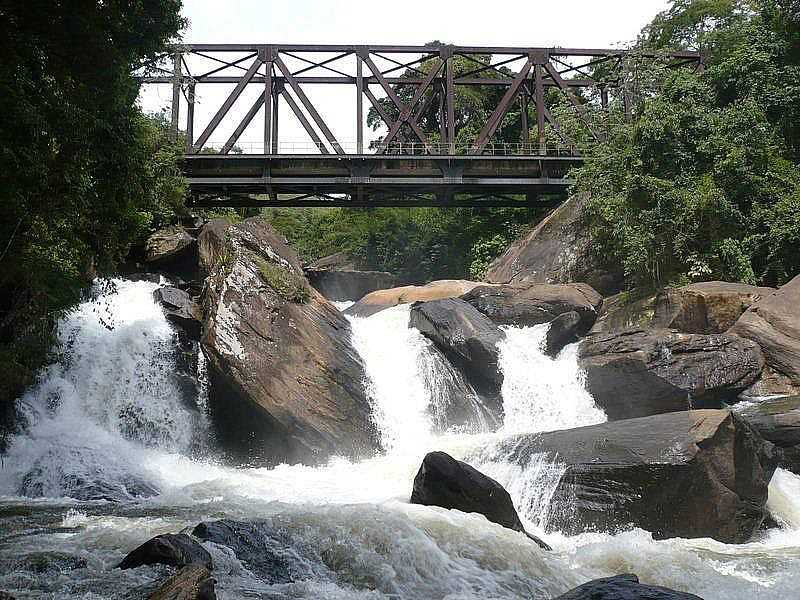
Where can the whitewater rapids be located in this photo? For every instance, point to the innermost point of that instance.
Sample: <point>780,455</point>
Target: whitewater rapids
<point>114,415</point>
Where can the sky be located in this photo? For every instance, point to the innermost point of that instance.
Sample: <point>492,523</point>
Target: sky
<point>567,23</point>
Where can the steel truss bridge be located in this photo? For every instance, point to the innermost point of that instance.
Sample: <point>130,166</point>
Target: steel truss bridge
<point>406,86</point>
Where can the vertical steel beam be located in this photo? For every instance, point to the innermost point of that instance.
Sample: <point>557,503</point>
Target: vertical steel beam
<point>524,129</point>
<point>176,94</point>
<point>359,105</point>
<point>450,99</point>
<point>276,95</point>
<point>540,107</point>
<point>268,54</point>
<point>190,118</point>
<point>604,97</point>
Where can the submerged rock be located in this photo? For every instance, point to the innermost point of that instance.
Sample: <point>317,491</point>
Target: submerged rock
<point>527,304</point>
<point>435,290</point>
<point>467,338</point>
<point>777,420</point>
<point>449,483</point>
<point>623,587</point>
<point>706,307</point>
<point>174,550</point>
<point>701,473</point>
<point>49,562</point>
<point>193,582</point>
<point>558,250</point>
<point>635,373</point>
<point>287,384</point>
<point>180,309</point>
<point>774,324</point>
<point>563,330</point>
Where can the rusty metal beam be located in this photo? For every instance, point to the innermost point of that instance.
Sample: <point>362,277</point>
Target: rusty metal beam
<point>508,98</point>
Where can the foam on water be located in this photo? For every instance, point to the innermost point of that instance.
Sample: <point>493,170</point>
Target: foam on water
<point>345,528</point>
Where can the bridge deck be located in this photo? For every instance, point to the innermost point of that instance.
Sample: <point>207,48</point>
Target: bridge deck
<point>375,180</point>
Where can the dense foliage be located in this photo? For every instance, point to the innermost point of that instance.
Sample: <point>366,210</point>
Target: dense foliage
<point>703,183</point>
<point>84,173</point>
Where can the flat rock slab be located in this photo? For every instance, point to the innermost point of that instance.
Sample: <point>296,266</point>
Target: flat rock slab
<point>701,473</point>
<point>435,290</point>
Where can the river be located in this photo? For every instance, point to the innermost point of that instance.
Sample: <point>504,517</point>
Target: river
<point>114,418</point>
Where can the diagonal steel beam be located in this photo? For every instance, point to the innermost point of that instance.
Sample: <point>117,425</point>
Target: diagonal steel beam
<point>406,114</point>
<point>380,110</point>
<point>548,66</point>
<point>497,116</point>
<point>243,125</point>
<point>226,106</point>
<point>308,104</point>
<point>391,93</point>
<point>304,122</point>
<point>320,65</point>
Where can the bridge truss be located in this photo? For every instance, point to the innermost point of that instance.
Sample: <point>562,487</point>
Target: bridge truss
<point>405,85</point>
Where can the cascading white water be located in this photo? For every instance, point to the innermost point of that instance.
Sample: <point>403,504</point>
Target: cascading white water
<point>346,528</point>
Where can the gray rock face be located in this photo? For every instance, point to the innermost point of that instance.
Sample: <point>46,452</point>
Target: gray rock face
<point>624,311</point>
<point>174,550</point>
<point>446,482</point>
<point>777,420</point>
<point>286,379</point>
<point>707,307</point>
<point>557,250</point>
<point>637,373</point>
<point>211,246</point>
<point>563,330</point>
<point>774,324</point>
<point>168,244</point>
<point>623,587</point>
<point>180,309</point>
<point>524,305</point>
<point>701,473</point>
<point>349,285</point>
<point>193,582</point>
<point>467,338</point>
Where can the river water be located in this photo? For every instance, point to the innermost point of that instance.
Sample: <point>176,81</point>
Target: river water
<point>111,420</point>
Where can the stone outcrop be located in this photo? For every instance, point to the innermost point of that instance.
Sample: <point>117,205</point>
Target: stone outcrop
<point>337,278</point>
<point>777,420</point>
<point>636,373</point>
<point>285,376</point>
<point>774,324</point>
<point>174,550</point>
<point>625,310</point>
<point>211,245</point>
<point>557,250</point>
<point>623,587</point>
<point>193,582</point>
<point>564,330</point>
<point>180,309</point>
<point>435,290</point>
<point>448,483</point>
<point>524,305</point>
<point>467,338</point>
<point>169,244</point>
<point>707,307</point>
<point>701,473</point>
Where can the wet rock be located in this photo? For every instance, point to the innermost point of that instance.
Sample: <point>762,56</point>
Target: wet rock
<point>193,582</point>
<point>169,245</point>
<point>636,373</point>
<point>150,277</point>
<point>626,310</point>
<point>707,307</point>
<point>6,596</point>
<point>271,553</point>
<point>701,473</point>
<point>180,309</point>
<point>49,562</point>
<point>211,246</point>
<point>449,483</point>
<point>529,304</point>
<point>623,587</point>
<point>774,324</point>
<point>337,277</point>
<point>777,420</point>
<point>286,383</point>
<point>563,330</point>
<point>174,550</point>
<point>435,290</point>
<point>557,250</point>
<point>467,338</point>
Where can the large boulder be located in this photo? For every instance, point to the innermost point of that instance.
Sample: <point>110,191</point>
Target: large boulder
<point>524,305</point>
<point>701,473</point>
<point>435,290</point>
<point>449,483</point>
<point>557,250</point>
<point>774,324</point>
<point>777,420</point>
<point>625,310</point>
<point>181,310</point>
<point>337,278</point>
<point>193,582</point>
<point>211,245</point>
<point>623,587</point>
<point>174,550</point>
<point>168,245</point>
<point>707,307</point>
<point>637,372</point>
<point>286,380</point>
<point>467,338</point>
<point>564,330</point>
